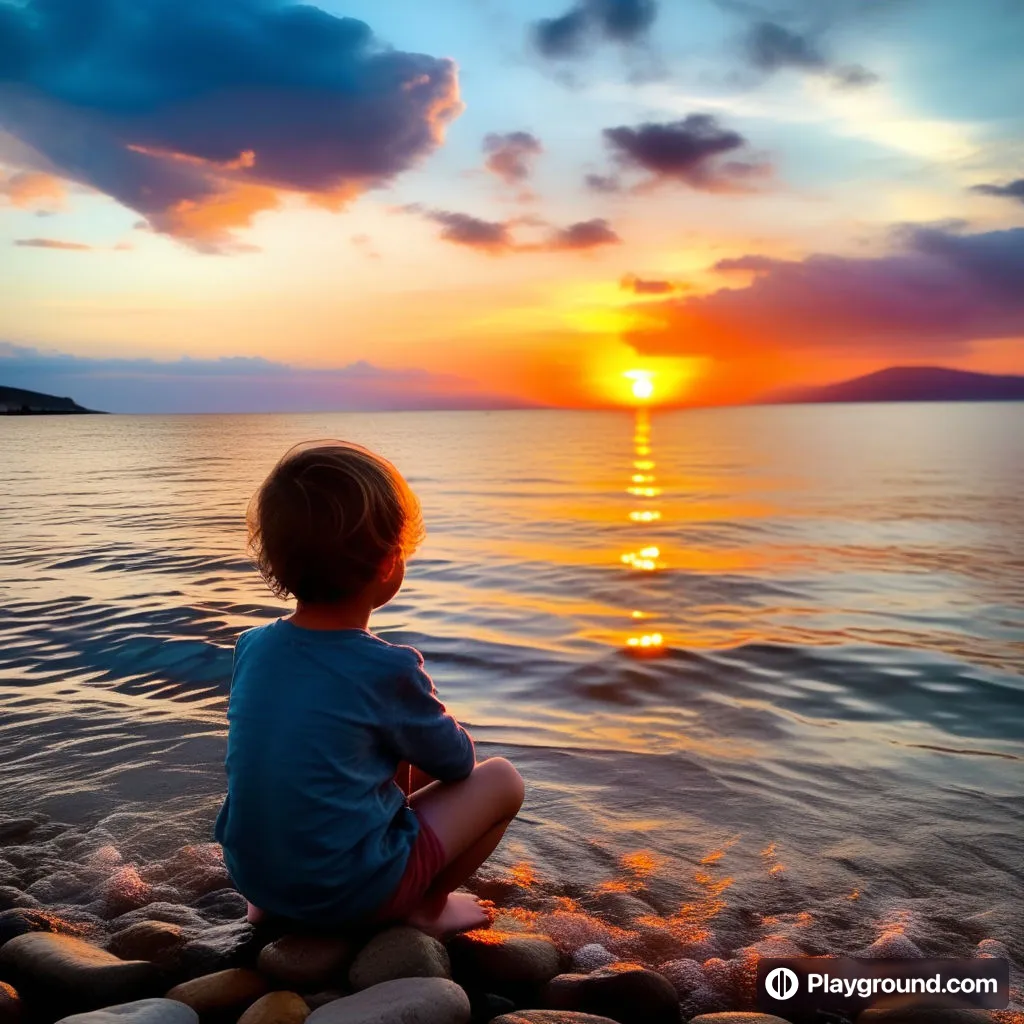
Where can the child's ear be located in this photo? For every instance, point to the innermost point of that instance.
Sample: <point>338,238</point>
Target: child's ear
<point>389,566</point>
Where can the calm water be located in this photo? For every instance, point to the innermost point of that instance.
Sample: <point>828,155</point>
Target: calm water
<point>826,745</point>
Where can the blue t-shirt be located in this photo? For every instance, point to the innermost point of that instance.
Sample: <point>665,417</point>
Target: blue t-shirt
<point>314,827</point>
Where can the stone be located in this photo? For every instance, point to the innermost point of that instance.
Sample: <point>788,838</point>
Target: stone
<point>503,961</point>
<point>21,921</point>
<point>738,1018</point>
<point>142,1011</point>
<point>550,1017</point>
<point>223,994</point>
<point>11,1010</point>
<point>685,976</point>
<point>59,887</point>
<point>400,952</point>
<point>12,830</point>
<point>318,999</point>
<point>629,993</point>
<point>307,961</point>
<point>403,1001</point>
<point>924,1015</point>
<point>63,971</point>
<point>156,941</point>
<point>218,948</point>
<point>222,904</point>
<point>485,1006</point>
<point>170,913</point>
<point>276,1008</point>
<point>11,898</point>
<point>590,957</point>
<point>891,946</point>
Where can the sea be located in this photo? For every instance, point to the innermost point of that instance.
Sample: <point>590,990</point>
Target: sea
<point>762,669</point>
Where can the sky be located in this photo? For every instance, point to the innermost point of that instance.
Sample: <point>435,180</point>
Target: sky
<point>260,205</point>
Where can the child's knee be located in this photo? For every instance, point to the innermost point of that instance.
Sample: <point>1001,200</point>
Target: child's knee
<point>506,782</point>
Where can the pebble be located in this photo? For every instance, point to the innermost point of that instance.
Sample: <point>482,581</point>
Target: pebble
<point>10,897</point>
<point>21,921</point>
<point>10,1004</point>
<point>318,999</point>
<point>307,961</point>
<point>497,960</point>
<point>629,993</point>
<point>227,991</point>
<point>738,1018</point>
<point>169,913</point>
<point>685,976</point>
<point>218,948</point>
<point>276,1008</point>
<point>62,970</point>
<point>156,941</point>
<point>400,952</point>
<point>405,1000</point>
<point>891,946</point>
<point>551,1017</point>
<point>222,904</point>
<point>142,1011</point>
<point>590,957</point>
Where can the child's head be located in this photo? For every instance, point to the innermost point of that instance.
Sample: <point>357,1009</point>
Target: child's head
<point>334,522</point>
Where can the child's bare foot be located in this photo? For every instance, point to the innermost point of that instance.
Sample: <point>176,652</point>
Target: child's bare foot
<point>462,912</point>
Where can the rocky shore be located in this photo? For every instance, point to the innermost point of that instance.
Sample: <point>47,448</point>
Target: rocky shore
<point>88,939</point>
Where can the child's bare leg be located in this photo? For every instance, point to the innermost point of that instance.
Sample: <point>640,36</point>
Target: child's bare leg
<point>469,818</point>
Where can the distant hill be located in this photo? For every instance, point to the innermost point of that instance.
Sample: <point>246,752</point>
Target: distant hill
<point>18,402</point>
<point>911,384</point>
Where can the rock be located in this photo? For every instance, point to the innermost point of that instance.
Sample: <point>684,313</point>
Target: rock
<point>21,921</point>
<point>924,1015</point>
<point>590,957</point>
<point>550,1017</point>
<point>276,1008</point>
<point>403,1001</point>
<point>400,952</point>
<point>485,1006</point>
<point>685,976</point>
<point>170,913</point>
<point>13,830</point>
<point>226,993</point>
<point>738,1018</point>
<point>61,972</point>
<point>142,1011</point>
<point>156,941</point>
<point>11,898</point>
<point>504,962</point>
<point>222,904</point>
<point>218,948</point>
<point>10,1004</point>
<point>627,992</point>
<point>60,887</point>
<point>307,961</point>
<point>318,999</point>
<point>891,946</point>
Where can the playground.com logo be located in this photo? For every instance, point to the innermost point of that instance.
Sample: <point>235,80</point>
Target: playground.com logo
<point>801,988</point>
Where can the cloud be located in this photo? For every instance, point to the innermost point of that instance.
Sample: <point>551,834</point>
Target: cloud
<point>1011,190</point>
<point>496,238</point>
<point>687,151</point>
<point>32,190</point>
<point>750,263</point>
<point>770,47</point>
<point>938,293</point>
<point>199,116</point>
<point>642,286</point>
<point>52,243</point>
<point>586,234</point>
<point>234,384</point>
<point>511,156</point>
<point>571,34</point>
<point>605,183</point>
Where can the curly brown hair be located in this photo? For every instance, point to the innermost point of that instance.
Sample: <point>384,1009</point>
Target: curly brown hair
<point>325,519</point>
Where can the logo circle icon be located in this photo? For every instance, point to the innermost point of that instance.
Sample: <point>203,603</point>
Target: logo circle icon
<point>781,983</point>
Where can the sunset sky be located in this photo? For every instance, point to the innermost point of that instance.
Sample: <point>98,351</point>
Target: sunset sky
<point>253,204</point>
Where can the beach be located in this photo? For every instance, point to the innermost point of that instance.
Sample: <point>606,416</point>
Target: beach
<point>761,668</point>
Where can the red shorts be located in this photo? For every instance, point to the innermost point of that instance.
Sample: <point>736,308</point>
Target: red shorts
<point>426,858</point>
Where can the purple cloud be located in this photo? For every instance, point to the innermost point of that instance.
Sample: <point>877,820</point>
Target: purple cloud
<point>510,156</point>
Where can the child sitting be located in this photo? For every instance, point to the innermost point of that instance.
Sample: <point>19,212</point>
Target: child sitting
<point>353,796</point>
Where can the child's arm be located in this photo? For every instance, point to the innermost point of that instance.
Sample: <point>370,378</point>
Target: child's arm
<point>423,732</point>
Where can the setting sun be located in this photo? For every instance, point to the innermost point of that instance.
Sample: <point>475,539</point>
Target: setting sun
<point>643,383</point>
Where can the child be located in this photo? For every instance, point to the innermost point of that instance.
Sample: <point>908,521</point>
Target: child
<point>335,735</point>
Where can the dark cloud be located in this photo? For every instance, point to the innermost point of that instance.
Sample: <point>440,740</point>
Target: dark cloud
<point>941,292</point>
<point>462,229</point>
<point>198,115</point>
<point>586,234</point>
<point>590,21</point>
<point>643,286</point>
<point>686,151</point>
<point>771,47</point>
<point>606,183</point>
<point>496,238</point>
<point>510,156</point>
<point>1011,190</point>
<point>234,384</point>
<point>52,243</point>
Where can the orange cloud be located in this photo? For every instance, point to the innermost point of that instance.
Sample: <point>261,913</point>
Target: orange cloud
<point>31,189</point>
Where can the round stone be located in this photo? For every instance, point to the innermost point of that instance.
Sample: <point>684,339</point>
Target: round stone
<point>401,952</point>
<point>307,961</point>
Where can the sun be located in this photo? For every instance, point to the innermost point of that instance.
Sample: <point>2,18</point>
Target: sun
<point>643,383</point>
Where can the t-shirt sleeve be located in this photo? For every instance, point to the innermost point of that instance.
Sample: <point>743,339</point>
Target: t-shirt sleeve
<point>424,733</point>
